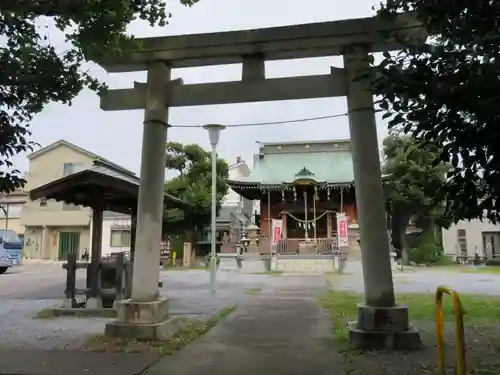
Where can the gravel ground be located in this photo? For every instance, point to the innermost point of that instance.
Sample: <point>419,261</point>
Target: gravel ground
<point>189,291</point>
<point>190,295</point>
<point>482,354</point>
<point>483,343</point>
<point>423,279</point>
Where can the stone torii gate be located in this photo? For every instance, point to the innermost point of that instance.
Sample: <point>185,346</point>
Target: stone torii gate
<point>381,323</point>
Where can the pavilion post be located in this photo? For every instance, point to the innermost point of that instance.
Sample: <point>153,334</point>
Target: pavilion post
<point>381,323</point>
<point>129,265</point>
<point>93,298</point>
<point>306,222</point>
<point>315,197</point>
<point>133,231</point>
<point>341,200</point>
<point>329,225</point>
<point>145,315</point>
<point>269,220</point>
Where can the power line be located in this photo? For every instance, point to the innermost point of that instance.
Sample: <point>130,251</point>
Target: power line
<point>250,124</point>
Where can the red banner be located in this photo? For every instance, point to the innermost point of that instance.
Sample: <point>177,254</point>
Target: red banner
<point>342,229</point>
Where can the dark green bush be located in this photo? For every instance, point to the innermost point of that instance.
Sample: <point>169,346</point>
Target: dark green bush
<point>493,262</point>
<point>427,251</point>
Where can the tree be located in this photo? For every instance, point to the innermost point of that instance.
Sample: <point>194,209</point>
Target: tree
<point>34,74</point>
<point>446,92</point>
<point>415,174</point>
<point>193,184</point>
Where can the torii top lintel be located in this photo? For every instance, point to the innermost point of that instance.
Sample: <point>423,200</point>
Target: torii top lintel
<point>274,43</point>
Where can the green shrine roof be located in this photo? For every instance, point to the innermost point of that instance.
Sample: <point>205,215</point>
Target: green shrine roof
<point>329,167</point>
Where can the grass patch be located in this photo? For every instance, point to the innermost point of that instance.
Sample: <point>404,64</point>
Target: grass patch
<point>489,270</point>
<point>180,268</point>
<point>45,314</point>
<point>189,331</point>
<point>82,312</point>
<point>478,309</point>
<point>271,272</point>
<point>252,291</point>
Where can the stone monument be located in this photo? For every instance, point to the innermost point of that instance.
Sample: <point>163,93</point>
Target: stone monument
<point>228,255</point>
<point>251,260</point>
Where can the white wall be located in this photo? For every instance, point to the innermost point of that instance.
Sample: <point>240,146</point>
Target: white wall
<point>474,234</point>
<point>236,172</point>
<point>107,224</point>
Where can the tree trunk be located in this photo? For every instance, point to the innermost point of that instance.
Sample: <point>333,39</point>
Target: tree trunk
<point>399,223</point>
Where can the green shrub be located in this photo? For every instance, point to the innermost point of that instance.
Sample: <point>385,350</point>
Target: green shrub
<point>427,251</point>
<point>208,257</point>
<point>493,262</point>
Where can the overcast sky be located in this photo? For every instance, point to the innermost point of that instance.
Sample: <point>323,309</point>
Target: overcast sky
<point>117,135</point>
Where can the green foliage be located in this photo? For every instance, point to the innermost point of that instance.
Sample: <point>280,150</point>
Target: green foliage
<point>445,93</point>
<point>208,260</point>
<point>427,250</point>
<point>414,172</point>
<point>493,262</point>
<point>35,74</point>
<point>193,184</point>
<point>414,175</point>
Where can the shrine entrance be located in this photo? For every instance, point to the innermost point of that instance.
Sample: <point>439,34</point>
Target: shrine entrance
<point>353,39</point>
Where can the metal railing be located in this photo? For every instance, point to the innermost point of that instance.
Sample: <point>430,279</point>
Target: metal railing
<point>299,246</point>
<point>459,330</point>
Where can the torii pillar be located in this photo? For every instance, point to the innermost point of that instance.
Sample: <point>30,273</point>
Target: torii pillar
<point>381,323</point>
<point>145,314</point>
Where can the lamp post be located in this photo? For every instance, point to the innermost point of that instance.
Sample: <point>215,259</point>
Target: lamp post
<point>213,134</point>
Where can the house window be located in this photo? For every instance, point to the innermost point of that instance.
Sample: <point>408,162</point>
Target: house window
<point>70,168</point>
<point>120,238</point>
<point>462,241</point>
<point>11,210</point>
<point>43,202</point>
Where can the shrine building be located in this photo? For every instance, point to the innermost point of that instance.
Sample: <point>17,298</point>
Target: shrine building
<point>304,184</point>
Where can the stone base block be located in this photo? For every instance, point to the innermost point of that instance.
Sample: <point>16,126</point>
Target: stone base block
<point>251,264</point>
<point>383,340</point>
<point>228,262</point>
<point>142,320</point>
<point>383,328</point>
<point>130,311</point>
<point>371,318</point>
<point>68,303</point>
<point>94,303</point>
<point>152,332</point>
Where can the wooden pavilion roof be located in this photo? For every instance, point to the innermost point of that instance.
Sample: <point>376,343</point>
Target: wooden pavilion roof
<point>100,186</point>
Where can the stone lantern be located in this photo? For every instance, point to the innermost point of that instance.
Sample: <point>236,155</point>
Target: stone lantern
<point>253,239</point>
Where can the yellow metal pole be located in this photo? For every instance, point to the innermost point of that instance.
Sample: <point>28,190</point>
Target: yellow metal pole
<point>459,331</point>
<point>314,214</point>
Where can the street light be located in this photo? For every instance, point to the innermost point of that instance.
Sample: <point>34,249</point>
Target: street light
<point>213,134</point>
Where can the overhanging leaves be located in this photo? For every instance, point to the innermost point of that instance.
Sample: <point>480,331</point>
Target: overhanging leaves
<point>446,93</point>
<point>34,74</point>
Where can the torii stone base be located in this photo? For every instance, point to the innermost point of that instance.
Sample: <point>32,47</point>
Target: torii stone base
<point>143,321</point>
<point>383,328</point>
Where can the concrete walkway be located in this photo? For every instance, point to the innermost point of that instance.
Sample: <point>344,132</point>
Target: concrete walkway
<point>63,362</point>
<point>277,331</point>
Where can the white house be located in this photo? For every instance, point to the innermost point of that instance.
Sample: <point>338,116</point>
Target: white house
<point>236,211</point>
<point>471,237</point>
<point>115,233</point>
<point>236,172</point>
